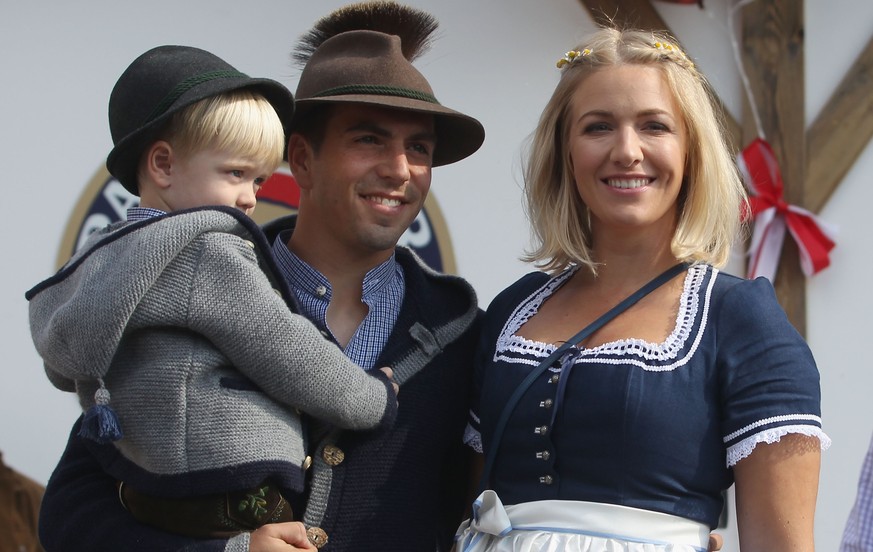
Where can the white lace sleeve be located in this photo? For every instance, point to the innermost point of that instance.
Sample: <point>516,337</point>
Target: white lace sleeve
<point>740,450</point>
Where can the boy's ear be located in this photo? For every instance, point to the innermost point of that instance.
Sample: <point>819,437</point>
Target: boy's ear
<point>159,163</point>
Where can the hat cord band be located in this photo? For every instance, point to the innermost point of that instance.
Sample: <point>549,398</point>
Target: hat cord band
<point>378,91</point>
<point>187,85</point>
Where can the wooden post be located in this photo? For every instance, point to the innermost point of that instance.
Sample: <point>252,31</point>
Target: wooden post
<point>841,131</point>
<point>773,57</point>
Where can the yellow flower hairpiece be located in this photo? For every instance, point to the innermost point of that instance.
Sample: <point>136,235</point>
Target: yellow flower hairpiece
<point>668,49</point>
<point>572,56</point>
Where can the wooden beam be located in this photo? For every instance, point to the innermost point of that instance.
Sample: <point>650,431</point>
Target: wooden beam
<point>641,14</point>
<point>773,57</point>
<point>840,132</point>
<point>625,13</point>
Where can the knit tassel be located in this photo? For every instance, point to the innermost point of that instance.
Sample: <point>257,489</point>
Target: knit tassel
<point>101,422</point>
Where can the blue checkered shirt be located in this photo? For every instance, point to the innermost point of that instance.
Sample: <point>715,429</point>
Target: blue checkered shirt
<point>135,214</point>
<point>858,535</point>
<point>383,292</point>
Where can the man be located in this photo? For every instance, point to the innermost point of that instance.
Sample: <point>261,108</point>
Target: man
<point>368,130</point>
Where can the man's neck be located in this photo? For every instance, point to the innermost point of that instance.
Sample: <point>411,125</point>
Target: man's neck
<point>346,272</point>
<point>343,267</point>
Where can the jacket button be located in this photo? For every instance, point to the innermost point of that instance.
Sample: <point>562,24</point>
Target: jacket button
<point>307,463</point>
<point>541,430</point>
<point>250,243</point>
<point>544,455</point>
<point>316,536</point>
<point>555,378</point>
<point>546,480</point>
<point>333,455</point>
<point>546,403</point>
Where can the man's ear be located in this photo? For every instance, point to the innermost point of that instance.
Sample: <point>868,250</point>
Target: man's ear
<point>159,163</point>
<point>299,159</point>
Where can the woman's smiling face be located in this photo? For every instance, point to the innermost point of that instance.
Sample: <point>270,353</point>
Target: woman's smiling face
<point>628,146</point>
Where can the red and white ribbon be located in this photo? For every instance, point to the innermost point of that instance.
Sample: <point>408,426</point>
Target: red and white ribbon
<point>772,215</point>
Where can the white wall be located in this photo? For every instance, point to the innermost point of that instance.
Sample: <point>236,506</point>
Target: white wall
<point>494,60</point>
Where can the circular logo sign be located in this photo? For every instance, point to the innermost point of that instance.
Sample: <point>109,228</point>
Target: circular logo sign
<point>105,201</point>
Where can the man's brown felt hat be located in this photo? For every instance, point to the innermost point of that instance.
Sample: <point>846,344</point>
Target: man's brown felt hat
<point>369,67</point>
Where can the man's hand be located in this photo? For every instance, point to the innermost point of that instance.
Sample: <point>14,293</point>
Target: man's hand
<point>390,373</point>
<point>289,536</point>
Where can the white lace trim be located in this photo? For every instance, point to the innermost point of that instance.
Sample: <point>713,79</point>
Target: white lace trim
<point>740,450</point>
<point>508,341</point>
<point>625,351</point>
<point>473,439</point>
<point>773,419</point>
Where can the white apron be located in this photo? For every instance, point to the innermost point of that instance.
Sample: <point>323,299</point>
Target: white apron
<point>565,525</point>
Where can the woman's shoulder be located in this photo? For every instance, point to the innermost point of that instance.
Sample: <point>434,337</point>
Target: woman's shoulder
<point>520,289</point>
<point>530,281</point>
<point>746,294</point>
<point>748,305</point>
<point>523,295</point>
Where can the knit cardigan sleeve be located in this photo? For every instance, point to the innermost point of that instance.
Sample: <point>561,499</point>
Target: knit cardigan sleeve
<point>232,303</point>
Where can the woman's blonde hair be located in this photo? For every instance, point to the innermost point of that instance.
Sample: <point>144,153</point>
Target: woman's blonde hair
<point>712,192</point>
<point>241,121</point>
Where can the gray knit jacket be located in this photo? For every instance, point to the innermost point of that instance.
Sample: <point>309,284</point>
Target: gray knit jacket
<point>185,322</point>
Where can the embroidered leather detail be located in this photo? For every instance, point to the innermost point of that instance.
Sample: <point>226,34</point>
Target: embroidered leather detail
<point>255,503</point>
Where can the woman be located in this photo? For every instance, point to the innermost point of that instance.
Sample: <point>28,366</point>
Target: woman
<point>628,440</point>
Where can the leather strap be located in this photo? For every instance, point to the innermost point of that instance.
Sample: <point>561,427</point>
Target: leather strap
<point>212,516</point>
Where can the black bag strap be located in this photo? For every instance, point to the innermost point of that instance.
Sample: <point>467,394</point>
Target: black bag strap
<point>656,282</point>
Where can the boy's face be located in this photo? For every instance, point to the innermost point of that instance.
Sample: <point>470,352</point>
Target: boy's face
<point>211,177</point>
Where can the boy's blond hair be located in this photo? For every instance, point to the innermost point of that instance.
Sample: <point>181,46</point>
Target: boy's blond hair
<point>240,122</point>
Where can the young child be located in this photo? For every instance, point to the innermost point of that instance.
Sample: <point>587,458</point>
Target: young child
<point>179,311</point>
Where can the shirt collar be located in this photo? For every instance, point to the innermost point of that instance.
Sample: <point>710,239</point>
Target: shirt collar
<point>307,279</point>
<point>135,214</point>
